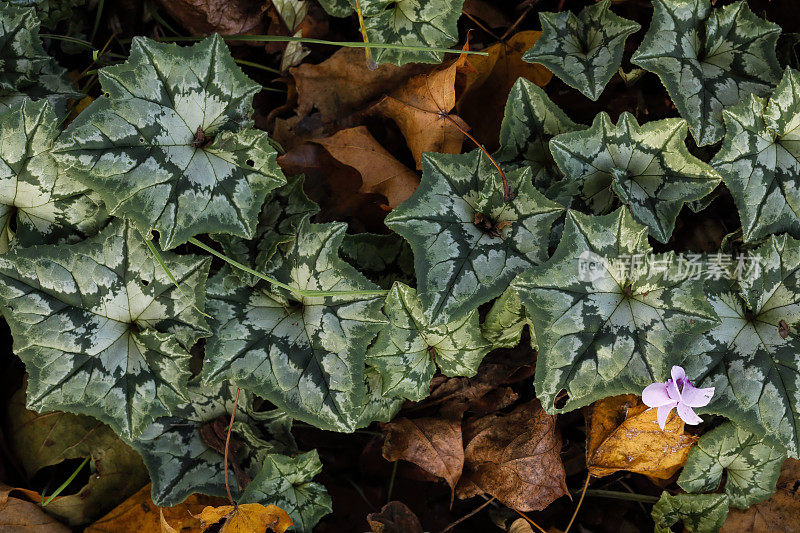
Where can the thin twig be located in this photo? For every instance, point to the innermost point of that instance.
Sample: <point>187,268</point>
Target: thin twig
<point>578,508</point>
<point>227,443</point>
<point>454,524</point>
<point>480,25</point>
<point>524,14</point>
<point>531,522</point>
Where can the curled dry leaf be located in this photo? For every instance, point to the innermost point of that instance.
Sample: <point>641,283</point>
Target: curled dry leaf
<point>433,444</point>
<point>380,172</point>
<point>226,17</point>
<point>488,84</point>
<point>139,513</point>
<point>246,518</point>
<point>395,517</point>
<point>624,435</point>
<point>18,515</point>
<point>515,457</point>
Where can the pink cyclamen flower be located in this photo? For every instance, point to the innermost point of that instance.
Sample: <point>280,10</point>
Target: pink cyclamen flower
<point>676,392</point>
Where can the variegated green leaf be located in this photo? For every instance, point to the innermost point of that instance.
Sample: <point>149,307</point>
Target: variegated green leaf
<point>752,357</point>
<point>604,328</point>
<point>377,407</point>
<point>648,168</point>
<point>169,146</point>
<point>181,461</point>
<point>584,50</point>
<point>305,354</point>
<point>286,482</point>
<point>383,259</point>
<point>505,321</point>
<point>44,205</point>
<point>407,352</point>
<point>531,119</point>
<point>751,464</point>
<point>25,68</point>
<point>709,59</point>
<point>468,242</point>
<point>759,160</point>
<point>421,23</point>
<point>699,513</point>
<point>280,216</point>
<point>101,328</point>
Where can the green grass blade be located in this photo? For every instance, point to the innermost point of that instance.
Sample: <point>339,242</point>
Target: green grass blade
<point>64,485</point>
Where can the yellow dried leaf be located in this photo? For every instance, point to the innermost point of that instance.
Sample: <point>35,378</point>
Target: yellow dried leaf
<point>165,527</point>
<point>247,518</point>
<point>624,435</point>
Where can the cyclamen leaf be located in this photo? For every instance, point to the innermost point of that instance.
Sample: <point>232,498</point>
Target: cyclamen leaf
<point>286,482</point>
<point>383,259</point>
<point>612,330</point>
<point>305,354</point>
<point>280,216</point>
<point>646,167</point>
<point>26,69</point>
<point>468,242</point>
<point>759,160</point>
<point>44,204</point>
<point>181,462</point>
<point>699,513</point>
<point>101,328</point>
<point>376,406</point>
<point>170,148</point>
<point>752,465</point>
<point>424,23</point>
<point>506,320</point>
<point>709,59</point>
<point>753,368</point>
<point>407,352</point>
<point>531,119</point>
<point>584,51</point>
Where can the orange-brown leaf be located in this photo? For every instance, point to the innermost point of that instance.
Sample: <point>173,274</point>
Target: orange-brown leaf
<point>246,518</point>
<point>380,172</point>
<point>17,515</point>
<point>624,435</point>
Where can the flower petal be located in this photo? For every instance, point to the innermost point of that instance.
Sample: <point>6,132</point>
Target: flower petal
<point>678,375</point>
<point>663,414</point>
<point>687,415</point>
<point>672,390</point>
<point>656,395</point>
<point>694,397</point>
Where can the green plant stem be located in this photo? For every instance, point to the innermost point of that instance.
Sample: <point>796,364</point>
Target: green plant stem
<point>273,281</point>
<point>257,65</point>
<point>164,266</point>
<point>616,495</point>
<point>64,485</point>
<point>80,42</point>
<point>348,44</point>
<point>97,18</point>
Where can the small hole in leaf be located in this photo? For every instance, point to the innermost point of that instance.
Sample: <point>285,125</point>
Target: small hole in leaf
<point>106,94</point>
<point>145,282</point>
<point>250,163</point>
<point>561,399</point>
<point>141,139</point>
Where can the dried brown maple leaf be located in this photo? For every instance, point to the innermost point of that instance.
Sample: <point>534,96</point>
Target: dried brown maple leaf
<point>777,514</point>
<point>226,17</point>
<point>624,435</point>
<point>394,517</point>
<point>488,84</point>
<point>433,444</point>
<point>515,457</point>
<point>17,515</point>
<point>420,109</point>
<point>380,172</point>
<point>246,518</point>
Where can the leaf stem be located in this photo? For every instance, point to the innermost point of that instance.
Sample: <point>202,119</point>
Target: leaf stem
<point>367,50</point>
<point>164,266</point>
<point>347,44</point>
<point>227,444</point>
<point>97,18</point>
<point>257,65</point>
<point>64,485</point>
<point>273,281</point>
<point>531,522</point>
<point>580,501</point>
<point>471,514</point>
<point>617,495</point>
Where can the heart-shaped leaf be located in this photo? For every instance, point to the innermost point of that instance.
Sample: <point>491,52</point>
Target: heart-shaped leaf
<point>584,50</point>
<point>699,513</point>
<point>468,242</point>
<point>101,328</point>
<point>169,145</point>
<point>505,321</point>
<point>709,59</point>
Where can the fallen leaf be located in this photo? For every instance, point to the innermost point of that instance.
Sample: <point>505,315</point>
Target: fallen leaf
<point>777,514</point>
<point>520,525</point>
<point>17,516</point>
<point>488,84</point>
<point>246,518</point>
<point>165,527</point>
<point>39,440</point>
<point>394,517</point>
<point>419,108</point>
<point>433,444</point>
<point>226,17</point>
<point>515,457</point>
<point>624,435</point>
<point>139,513</point>
<point>380,172</point>
<point>342,84</point>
